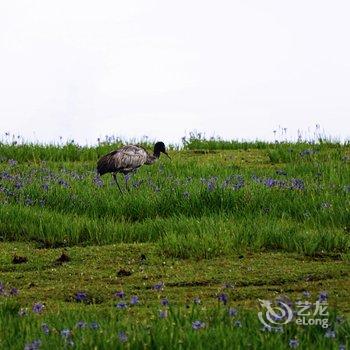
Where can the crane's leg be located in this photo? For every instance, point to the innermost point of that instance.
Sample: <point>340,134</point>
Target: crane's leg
<point>115,179</point>
<point>127,177</point>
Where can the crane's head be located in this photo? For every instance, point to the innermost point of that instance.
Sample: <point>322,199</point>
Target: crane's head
<point>159,147</point>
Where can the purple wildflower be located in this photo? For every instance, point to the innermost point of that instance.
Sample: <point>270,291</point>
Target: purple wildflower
<point>122,337</point>
<point>198,325</point>
<point>98,181</point>
<point>137,183</point>
<point>134,300</point>
<point>121,305</point>
<point>163,313</point>
<point>38,308</point>
<point>164,302</point>
<point>339,319</point>
<point>63,183</point>
<point>5,175</point>
<point>159,286</point>
<point>45,328</point>
<point>34,345</point>
<point>330,334</point>
<point>80,325</point>
<point>66,333</point>
<point>80,296</point>
<point>210,185</point>
<point>223,298</point>
<point>29,202</point>
<point>306,152</point>
<point>323,296</point>
<point>120,294</point>
<point>297,184</point>
<point>94,325</point>
<point>232,312</point>
<point>12,162</point>
<point>239,183</point>
<point>270,182</point>
<point>293,343</point>
<point>14,291</point>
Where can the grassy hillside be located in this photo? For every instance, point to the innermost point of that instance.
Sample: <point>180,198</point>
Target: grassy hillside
<point>264,218</point>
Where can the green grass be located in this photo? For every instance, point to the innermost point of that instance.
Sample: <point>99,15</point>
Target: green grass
<point>268,218</point>
<point>244,278</point>
<point>175,332</point>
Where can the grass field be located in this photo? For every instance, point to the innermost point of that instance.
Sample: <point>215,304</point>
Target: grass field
<point>194,245</point>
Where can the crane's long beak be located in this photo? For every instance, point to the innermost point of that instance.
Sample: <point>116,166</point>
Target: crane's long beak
<point>167,155</point>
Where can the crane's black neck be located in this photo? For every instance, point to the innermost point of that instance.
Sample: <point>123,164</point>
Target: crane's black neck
<point>158,147</point>
<point>156,154</point>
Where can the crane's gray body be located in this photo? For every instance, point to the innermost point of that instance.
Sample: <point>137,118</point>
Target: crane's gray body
<point>124,160</point>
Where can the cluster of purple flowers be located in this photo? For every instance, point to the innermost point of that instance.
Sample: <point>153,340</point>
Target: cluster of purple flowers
<point>297,184</point>
<point>98,181</point>
<point>234,182</point>
<point>134,300</point>
<point>67,335</point>
<point>12,162</point>
<point>294,184</point>
<point>34,345</point>
<point>307,152</point>
<point>210,183</point>
<point>8,292</point>
<point>63,183</point>
<point>197,325</point>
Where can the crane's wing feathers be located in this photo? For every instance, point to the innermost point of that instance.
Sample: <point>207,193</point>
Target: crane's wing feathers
<point>124,160</point>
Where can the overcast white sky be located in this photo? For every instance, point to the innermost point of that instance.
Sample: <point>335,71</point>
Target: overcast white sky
<point>239,69</point>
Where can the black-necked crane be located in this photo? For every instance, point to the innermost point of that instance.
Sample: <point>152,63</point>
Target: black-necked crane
<point>128,159</point>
